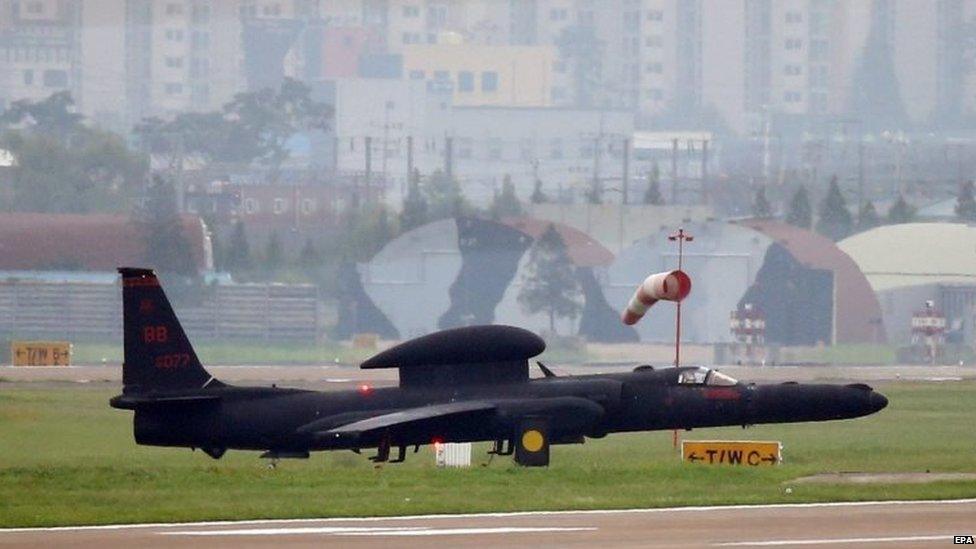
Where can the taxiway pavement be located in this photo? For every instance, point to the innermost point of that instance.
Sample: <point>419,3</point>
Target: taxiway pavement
<point>870,524</point>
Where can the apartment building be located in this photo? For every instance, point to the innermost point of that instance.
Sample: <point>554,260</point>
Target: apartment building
<point>484,75</point>
<point>39,48</point>
<point>124,60</point>
<point>740,62</point>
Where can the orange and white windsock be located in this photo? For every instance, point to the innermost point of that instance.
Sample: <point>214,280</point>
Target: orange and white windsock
<point>669,286</point>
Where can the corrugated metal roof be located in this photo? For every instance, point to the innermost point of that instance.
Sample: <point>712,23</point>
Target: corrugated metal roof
<point>911,254</point>
<point>99,242</point>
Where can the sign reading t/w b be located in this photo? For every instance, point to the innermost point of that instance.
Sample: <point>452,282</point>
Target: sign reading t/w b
<point>727,452</point>
<point>40,353</point>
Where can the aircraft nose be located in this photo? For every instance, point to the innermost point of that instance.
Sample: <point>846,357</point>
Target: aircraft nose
<point>877,401</point>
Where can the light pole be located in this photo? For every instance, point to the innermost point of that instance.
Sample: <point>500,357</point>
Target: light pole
<point>681,237</point>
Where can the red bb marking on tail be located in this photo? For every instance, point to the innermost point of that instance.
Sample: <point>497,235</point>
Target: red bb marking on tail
<point>134,282</point>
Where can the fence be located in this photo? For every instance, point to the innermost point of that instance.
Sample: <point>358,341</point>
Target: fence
<point>93,311</point>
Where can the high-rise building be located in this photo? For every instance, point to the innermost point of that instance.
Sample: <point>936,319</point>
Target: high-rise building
<point>677,63</point>
<point>39,48</point>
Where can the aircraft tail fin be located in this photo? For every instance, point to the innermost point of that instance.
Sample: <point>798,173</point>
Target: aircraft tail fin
<point>158,355</point>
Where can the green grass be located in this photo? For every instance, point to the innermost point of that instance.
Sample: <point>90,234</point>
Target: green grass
<point>67,458</point>
<point>276,353</point>
<point>237,353</point>
<point>842,354</point>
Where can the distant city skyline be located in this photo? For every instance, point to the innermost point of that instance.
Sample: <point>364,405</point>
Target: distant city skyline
<point>687,64</point>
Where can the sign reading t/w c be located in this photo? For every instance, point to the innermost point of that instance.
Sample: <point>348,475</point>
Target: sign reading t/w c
<point>732,452</point>
<point>40,353</point>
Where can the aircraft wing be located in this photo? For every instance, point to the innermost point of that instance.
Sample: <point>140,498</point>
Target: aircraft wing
<point>414,417</point>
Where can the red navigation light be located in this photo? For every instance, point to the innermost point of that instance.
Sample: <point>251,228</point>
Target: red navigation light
<point>365,389</point>
<point>437,440</point>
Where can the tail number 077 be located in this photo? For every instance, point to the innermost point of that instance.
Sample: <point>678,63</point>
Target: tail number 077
<point>167,362</point>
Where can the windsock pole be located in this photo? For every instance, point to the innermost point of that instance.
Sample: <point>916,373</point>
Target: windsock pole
<point>681,236</point>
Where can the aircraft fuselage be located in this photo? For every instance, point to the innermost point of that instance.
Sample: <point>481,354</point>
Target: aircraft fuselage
<point>293,421</point>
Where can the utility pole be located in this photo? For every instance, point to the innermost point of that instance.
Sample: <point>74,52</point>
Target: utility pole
<point>625,177</point>
<point>674,170</point>
<point>704,172</point>
<point>860,174</point>
<point>335,155</point>
<point>386,136</point>
<point>959,170</point>
<point>403,189</point>
<point>369,166</point>
<point>178,175</point>
<point>594,189</point>
<point>449,157</point>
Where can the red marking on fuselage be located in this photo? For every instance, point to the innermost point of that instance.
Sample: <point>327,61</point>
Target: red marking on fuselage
<point>722,393</point>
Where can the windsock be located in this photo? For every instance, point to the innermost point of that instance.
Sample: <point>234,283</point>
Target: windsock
<point>669,286</point>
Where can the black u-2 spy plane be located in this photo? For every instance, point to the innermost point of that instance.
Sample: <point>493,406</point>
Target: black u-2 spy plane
<point>460,385</point>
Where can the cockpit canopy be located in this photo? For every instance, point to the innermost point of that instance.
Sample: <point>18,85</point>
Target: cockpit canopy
<point>705,376</point>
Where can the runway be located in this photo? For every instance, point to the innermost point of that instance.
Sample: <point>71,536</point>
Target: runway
<point>872,524</point>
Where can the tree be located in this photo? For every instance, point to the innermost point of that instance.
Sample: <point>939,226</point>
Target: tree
<point>506,204</point>
<point>309,257</point>
<point>538,196</point>
<point>761,208</point>
<point>253,126</point>
<point>208,136</point>
<point>364,232</point>
<point>167,247</point>
<point>52,115</point>
<point>63,166</point>
<point>383,231</point>
<point>966,203</point>
<point>653,193</point>
<point>834,219</point>
<point>444,196</point>
<point>549,284</point>
<point>414,212</point>
<point>867,217</point>
<point>274,255</point>
<point>268,118</point>
<point>237,254</point>
<point>800,214</point>
<point>901,211</point>
<point>594,195</point>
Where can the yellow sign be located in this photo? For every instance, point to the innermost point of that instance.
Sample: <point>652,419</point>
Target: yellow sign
<point>732,452</point>
<point>40,353</point>
<point>365,341</point>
